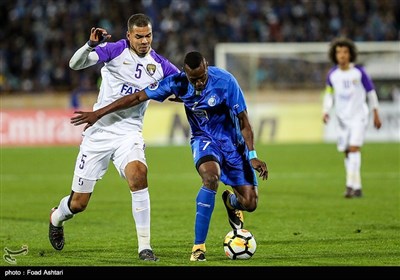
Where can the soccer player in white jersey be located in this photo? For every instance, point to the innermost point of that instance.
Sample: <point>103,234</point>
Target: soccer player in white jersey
<point>222,139</point>
<point>348,88</point>
<point>130,65</point>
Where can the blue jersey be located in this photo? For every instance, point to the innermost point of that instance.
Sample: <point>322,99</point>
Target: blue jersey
<point>213,121</point>
<point>211,114</point>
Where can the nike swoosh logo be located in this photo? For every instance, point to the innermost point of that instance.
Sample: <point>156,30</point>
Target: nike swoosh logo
<point>140,209</point>
<point>204,204</point>
<point>126,63</point>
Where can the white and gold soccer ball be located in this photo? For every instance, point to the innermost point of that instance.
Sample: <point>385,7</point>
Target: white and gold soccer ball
<point>239,244</point>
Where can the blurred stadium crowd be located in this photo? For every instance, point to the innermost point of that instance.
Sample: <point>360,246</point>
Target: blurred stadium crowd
<point>38,37</point>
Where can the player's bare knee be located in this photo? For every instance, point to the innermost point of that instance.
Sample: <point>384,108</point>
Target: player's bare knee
<point>249,203</point>
<point>252,207</point>
<point>137,183</point>
<point>77,206</point>
<point>210,181</point>
<point>81,192</point>
<point>354,149</point>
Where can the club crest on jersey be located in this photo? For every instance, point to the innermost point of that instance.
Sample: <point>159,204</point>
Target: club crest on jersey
<point>151,69</point>
<point>212,101</point>
<point>153,86</point>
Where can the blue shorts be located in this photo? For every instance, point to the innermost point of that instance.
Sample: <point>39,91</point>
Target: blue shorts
<point>236,169</point>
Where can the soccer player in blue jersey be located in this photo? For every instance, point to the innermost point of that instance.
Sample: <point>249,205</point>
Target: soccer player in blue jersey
<point>129,66</point>
<point>222,138</point>
<point>348,87</point>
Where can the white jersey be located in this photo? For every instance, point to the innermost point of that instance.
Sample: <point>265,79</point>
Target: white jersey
<point>350,88</point>
<point>123,73</point>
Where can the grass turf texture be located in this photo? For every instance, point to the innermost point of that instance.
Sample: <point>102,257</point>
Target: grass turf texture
<point>302,218</point>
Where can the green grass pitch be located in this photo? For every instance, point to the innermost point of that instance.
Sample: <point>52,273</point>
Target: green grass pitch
<point>302,218</point>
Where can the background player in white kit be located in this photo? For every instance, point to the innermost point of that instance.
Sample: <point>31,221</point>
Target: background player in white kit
<point>348,87</point>
<point>130,65</point>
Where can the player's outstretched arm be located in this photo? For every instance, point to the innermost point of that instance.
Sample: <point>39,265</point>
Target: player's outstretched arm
<point>125,102</point>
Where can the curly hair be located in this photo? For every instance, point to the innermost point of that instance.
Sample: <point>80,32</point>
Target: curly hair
<point>342,42</point>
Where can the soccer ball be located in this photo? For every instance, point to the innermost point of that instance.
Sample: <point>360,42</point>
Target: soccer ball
<point>239,244</point>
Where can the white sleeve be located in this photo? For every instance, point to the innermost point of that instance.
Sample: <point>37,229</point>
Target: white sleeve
<point>83,58</point>
<point>373,99</point>
<point>327,102</point>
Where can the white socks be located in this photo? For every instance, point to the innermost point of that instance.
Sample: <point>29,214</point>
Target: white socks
<point>353,170</point>
<point>141,215</point>
<point>140,212</point>
<point>62,213</point>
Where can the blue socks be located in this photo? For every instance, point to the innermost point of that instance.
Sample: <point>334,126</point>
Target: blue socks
<point>205,202</point>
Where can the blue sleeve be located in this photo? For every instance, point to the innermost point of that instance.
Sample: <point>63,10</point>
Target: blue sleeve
<point>159,91</point>
<point>235,97</point>
<point>176,84</point>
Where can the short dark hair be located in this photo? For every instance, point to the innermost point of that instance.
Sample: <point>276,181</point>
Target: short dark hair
<point>342,42</point>
<point>140,20</point>
<point>193,59</point>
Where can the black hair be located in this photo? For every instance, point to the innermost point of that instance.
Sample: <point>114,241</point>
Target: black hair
<point>193,59</point>
<point>342,42</point>
<point>140,20</point>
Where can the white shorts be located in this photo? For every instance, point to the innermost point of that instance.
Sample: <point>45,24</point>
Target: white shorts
<point>351,133</point>
<point>99,147</point>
